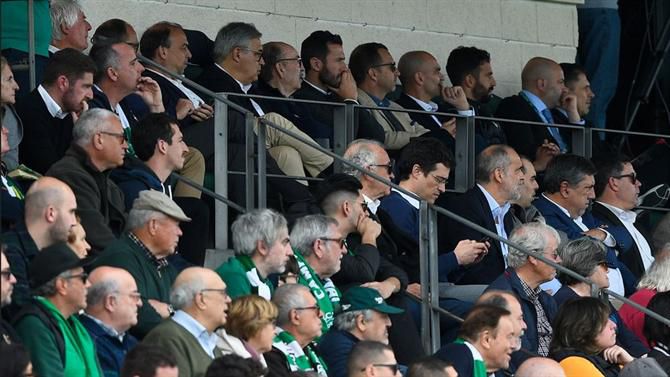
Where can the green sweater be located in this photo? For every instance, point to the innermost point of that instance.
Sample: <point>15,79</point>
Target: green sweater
<point>192,360</point>
<point>152,283</point>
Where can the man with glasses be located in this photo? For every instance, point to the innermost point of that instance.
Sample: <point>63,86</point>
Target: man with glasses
<point>262,248</point>
<point>7,333</point>
<point>111,309</point>
<point>48,326</point>
<point>370,358</point>
<point>200,297</point>
<point>98,145</point>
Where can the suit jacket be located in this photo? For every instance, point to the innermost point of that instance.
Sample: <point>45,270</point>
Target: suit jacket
<point>524,138</point>
<point>473,206</point>
<point>599,148</point>
<point>427,121</point>
<point>216,80</point>
<point>171,95</point>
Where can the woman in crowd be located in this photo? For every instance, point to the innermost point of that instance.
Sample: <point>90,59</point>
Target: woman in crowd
<point>76,239</point>
<point>8,89</point>
<point>584,340</point>
<point>657,333</point>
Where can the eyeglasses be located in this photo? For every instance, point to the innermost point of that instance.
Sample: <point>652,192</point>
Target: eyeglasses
<point>552,255</point>
<point>257,53</point>
<point>296,59</point>
<point>121,136</point>
<point>83,277</point>
<point>390,65</point>
<point>393,367</point>
<point>389,166</point>
<point>341,241</point>
<point>631,176</point>
<point>223,291</point>
<point>6,274</point>
<point>440,180</point>
<point>135,296</point>
<point>313,307</point>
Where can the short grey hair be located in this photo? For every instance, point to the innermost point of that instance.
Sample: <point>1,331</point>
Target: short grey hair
<point>98,292</point>
<point>234,34</point>
<point>138,217</point>
<point>182,295</point>
<point>582,256</point>
<point>48,289</point>
<point>492,158</point>
<point>288,297</point>
<point>360,153</point>
<point>257,225</point>
<point>90,122</point>
<point>308,229</point>
<point>657,277</point>
<point>346,321</point>
<point>533,238</point>
<point>63,13</point>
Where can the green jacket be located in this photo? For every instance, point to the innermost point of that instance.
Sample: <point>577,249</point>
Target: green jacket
<point>152,283</point>
<point>234,275</point>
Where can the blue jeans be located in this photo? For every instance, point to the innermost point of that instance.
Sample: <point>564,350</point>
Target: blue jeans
<point>598,53</point>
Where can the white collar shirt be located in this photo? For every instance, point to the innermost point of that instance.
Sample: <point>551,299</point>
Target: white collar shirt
<point>628,220</point>
<point>245,88</point>
<point>194,98</point>
<point>54,108</point>
<point>206,339</point>
<point>498,212</point>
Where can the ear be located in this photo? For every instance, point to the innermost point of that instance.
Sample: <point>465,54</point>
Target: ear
<point>486,339</point>
<point>360,322</point>
<point>294,317</point>
<point>162,146</point>
<point>62,83</point>
<point>61,286</point>
<point>316,64</point>
<point>541,84</point>
<point>97,141</point>
<point>112,74</point>
<point>64,29</point>
<point>162,52</point>
<point>261,247</point>
<point>469,81</point>
<point>418,77</point>
<point>613,184</point>
<point>564,189</point>
<point>50,214</point>
<point>372,74</point>
<point>110,303</point>
<point>498,175</point>
<point>199,301</point>
<point>153,227</point>
<point>316,246</point>
<point>417,172</point>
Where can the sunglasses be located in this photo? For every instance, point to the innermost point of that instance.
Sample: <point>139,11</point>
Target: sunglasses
<point>83,276</point>
<point>631,176</point>
<point>390,65</point>
<point>394,367</point>
<point>341,241</point>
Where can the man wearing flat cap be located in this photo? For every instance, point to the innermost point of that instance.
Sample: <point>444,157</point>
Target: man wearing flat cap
<point>58,343</point>
<point>364,316</point>
<point>152,236</point>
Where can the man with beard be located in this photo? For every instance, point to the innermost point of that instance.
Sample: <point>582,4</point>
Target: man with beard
<point>500,179</point>
<point>49,214</point>
<point>523,209</point>
<point>50,110</point>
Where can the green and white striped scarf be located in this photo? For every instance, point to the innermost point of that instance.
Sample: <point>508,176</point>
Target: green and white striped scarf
<point>326,294</point>
<point>295,356</point>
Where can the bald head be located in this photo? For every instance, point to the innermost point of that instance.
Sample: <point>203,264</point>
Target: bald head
<point>544,78</point>
<point>537,68</point>
<point>50,207</point>
<point>113,297</point>
<point>411,63</point>
<point>202,294</point>
<point>46,191</point>
<point>549,368</point>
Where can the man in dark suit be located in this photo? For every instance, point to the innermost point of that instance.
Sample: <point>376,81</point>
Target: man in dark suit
<point>500,179</point>
<point>49,111</point>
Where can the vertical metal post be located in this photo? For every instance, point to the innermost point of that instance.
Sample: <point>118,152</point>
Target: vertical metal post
<point>250,141</point>
<point>430,319</point>
<point>262,179</point>
<point>578,141</point>
<point>343,130</point>
<point>31,44</point>
<point>220,174</point>
<point>588,142</point>
<point>465,153</point>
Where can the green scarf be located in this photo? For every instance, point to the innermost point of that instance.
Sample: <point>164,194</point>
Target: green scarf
<point>80,355</point>
<point>295,356</point>
<point>263,287</point>
<point>479,368</point>
<point>326,293</point>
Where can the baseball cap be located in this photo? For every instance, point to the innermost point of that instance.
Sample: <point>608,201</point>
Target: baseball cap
<point>361,298</point>
<point>52,261</point>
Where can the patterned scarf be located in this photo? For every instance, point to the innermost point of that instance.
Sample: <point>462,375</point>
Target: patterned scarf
<point>295,356</point>
<point>326,294</point>
<point>263,287</point>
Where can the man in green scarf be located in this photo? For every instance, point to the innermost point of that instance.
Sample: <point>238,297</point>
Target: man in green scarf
<point>58,343</point>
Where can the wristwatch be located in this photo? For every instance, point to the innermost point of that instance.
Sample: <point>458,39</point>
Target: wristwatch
<point>170,310</point>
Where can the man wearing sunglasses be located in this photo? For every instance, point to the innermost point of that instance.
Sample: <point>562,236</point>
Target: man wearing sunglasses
<point>370,358</point>
<point>58,343</point>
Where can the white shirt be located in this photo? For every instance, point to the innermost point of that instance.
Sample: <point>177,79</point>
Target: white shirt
<point>118,110</point>
<point>372,204</point>
<point>107,328</point>
<point>413,202</point>
<point>476,355</point>
<point>206,339</point>
<point>316,87</point>
<point>628,220</point>
<point>194,98</point>
<point>432,107</point>
<point>245,88</point>
<point>53,107</point>
<point>53,49</point>
<point>498,212</point>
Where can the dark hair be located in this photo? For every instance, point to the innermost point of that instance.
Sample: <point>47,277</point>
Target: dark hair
<point>566,168</point>
<point>70,63</point>
<point>428,367</point>
<point>143,360</point>
<point>235,366</point>
<point>157,35</point>
<point>578,323</point>
<point>571,72</point>
<point>364,353</point>
<point>425,152</point>
<point>481,318</point>
<point>110,32</point>
<point>316,46</point>
<point>272,52</point>
<point>291,268</point>
<point>465,61</point>
<point>15,359</point>
<point>363,57</point>
<point>607,168</point>
<point>334,189</point>
<point>104,56</point>
<point>654,330</point>
<point>153,127</point>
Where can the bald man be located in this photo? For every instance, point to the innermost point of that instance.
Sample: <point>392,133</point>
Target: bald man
<point>200,297</point>
<point>112,303</point>
<point>49,214</point>
<point>533,366</point>
<point>544,89</point>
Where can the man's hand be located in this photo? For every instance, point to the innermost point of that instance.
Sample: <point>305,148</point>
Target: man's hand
<point>544,154</point>
<point>148,89</point>
<point>160,307</point>
<point>469,251</point>
<point>450,126</point>
<point>455,96</point>
<point>184,108</point>
<point>77,114</point>
<point>347,88</point>
<point>202,113</point>
<point>569,104</point>
<point>368,229</point>
<point>414,289</point>
<point>596,233</point>
<point>385,288</point>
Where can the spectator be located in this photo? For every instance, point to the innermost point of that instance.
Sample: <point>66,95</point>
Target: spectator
<point>115,30</point>
<point>58,343</point>
<point>523,210</point>
<point>69,28</point>
<point>149,361</point>
<point>319,248</point>
<point>112,302</point>
<point>250,328</point>
<point>369,358</point>
<point>262,248</point>
<point>235,366</point>
<point>500,180</point>
<point>586,257</point>
<point>584,341</point>
<point>76,239</point>
<point>298,326</point>
<point>10,119</point>
<point>661,238</point>
<point>431,367</point>
<point>49,112</point>
<point>200,297</point>
<point>15,361</point>
<point>50,209</point>
<point>8,280</point>
<point>549,368</point>
<point>12,194</point>
<point>523,277</point>
<point>364,316</point>
<point>657,333</point>
<point>510,302</point>
<point>485,344</point>
<point>152,236</point>
<point>655,280</point>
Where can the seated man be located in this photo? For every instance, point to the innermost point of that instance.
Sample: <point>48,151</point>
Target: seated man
<point>369,358</point>
<point>364,316</point>
<point>522,209</point>
<point>298,326</point>
<point>431,367</point>
<point>509,301</point>
<point>111,309</point>
<point>98,145</point>
<point>152,236</point>
<point>149,361</point>
<point>200,297</point>
<point>48,326</point>
<point>485,344</point>
<point>69,28</point>
<point>7,333</point>
<point>262,248</point>
<point>523,277</point>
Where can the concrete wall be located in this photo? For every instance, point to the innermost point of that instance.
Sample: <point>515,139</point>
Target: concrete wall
<point>511,30</point>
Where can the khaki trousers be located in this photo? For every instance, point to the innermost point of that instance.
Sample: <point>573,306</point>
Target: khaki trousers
<point>193,169</point>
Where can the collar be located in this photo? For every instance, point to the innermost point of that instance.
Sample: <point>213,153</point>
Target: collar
<point>53,49</point>
<point>476,355</point>
<point>565,211</point>
<point>532,294</point>
<point>372,204</point>
<point>622,214</point>
<point>194,98</point>
<point>384,102</point>
<point>206,339</point>
<point>316,87</point>
<point>53,107</point>
<point>535,101</point>
<point>413,202</point>
<point>106,328</point>
<point>245,87</point>
<point>159,263</point>
<point>496,208</point>
<point>427,106</point>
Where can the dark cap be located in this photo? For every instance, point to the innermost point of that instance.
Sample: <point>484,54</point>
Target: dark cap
<point>361,298</point>
<point>53,261</point>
